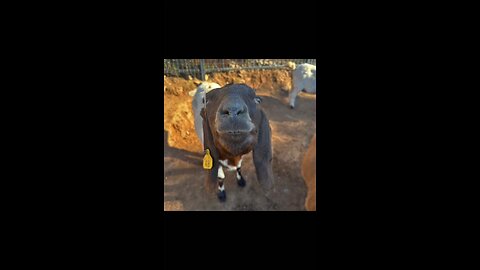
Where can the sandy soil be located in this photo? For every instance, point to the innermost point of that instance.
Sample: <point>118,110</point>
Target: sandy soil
<point>292,130</point>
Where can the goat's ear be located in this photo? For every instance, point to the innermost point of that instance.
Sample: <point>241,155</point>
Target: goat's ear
<point>192,93</point>
<point>262,155</point>
<point>212,174</point>
<point>258,99</point>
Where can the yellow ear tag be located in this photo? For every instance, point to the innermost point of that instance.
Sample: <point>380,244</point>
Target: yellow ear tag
<point>207,161</point>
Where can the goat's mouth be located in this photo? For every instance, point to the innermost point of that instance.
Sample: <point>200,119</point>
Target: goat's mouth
<point>235,132</point>
<point>237,135</point>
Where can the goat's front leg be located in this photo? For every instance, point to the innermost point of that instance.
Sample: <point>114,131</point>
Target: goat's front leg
<point>293,95</point>
<point>222,196</point>
<point>240,180</point>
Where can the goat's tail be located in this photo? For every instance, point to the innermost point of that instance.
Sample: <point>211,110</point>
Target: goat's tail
<point>291,65</point>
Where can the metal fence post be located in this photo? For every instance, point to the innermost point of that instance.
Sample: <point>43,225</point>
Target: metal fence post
<point>199,67</point>
<point>202,69</point>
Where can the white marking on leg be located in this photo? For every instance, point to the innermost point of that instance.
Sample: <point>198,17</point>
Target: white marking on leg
<point>221,175</point>
<point>224,162</point>
<point>228,167</point>
<point>238,168</point>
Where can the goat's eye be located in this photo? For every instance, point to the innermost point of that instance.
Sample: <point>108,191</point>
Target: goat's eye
<point>225,112</point>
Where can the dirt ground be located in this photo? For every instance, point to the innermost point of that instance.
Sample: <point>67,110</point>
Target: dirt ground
<point>292,130</point>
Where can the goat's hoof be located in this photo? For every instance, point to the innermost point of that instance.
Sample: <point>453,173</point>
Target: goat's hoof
<point>292,107</point>
<point>241,182</point>
<point>222,196</point>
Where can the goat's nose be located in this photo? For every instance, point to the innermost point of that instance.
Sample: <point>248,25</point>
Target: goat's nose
<point>234,110</point>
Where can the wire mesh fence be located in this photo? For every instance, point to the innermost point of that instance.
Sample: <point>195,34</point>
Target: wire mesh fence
<point>199,67</point>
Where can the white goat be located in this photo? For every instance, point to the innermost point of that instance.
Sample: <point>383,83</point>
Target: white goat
<point>304,78</point>
<point>197,104</point>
